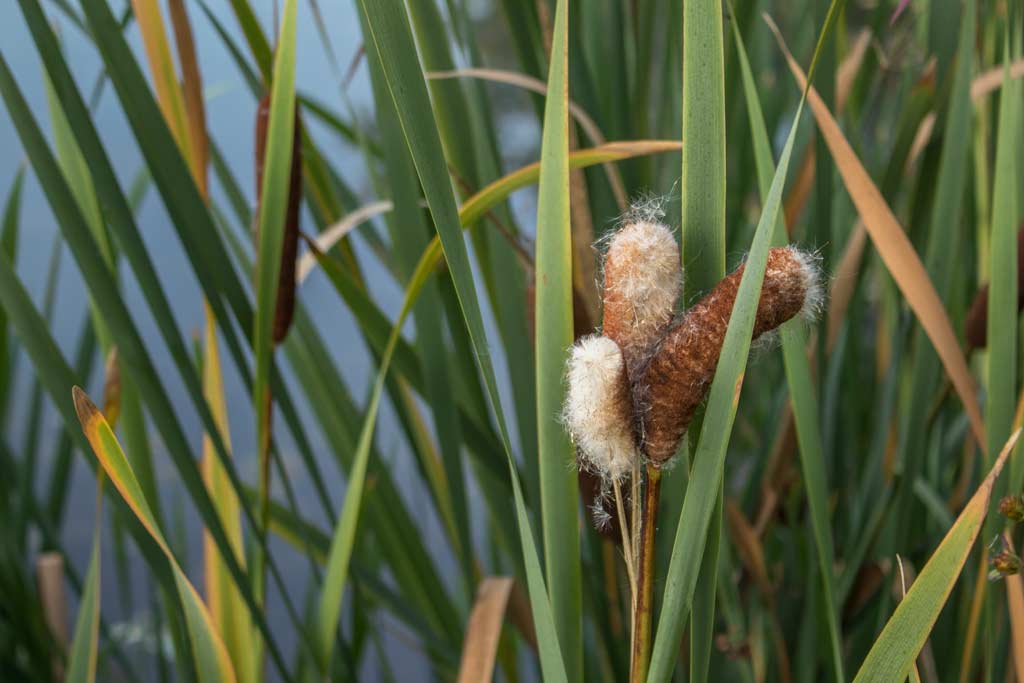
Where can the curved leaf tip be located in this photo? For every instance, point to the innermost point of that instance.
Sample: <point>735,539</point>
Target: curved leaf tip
<point>87,411</point>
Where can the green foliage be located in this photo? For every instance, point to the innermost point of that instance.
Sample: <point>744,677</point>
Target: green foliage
<point>808,469</point>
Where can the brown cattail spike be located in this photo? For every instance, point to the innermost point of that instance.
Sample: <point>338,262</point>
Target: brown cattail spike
<point>676,378</point>
<point>285,306</point>
<point>642,279</point>
<point>598,408</point>
<point>976,325</point>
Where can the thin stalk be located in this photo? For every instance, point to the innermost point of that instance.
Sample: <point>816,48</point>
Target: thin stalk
<point>641,659</point>
<point>626,544</point>
<point>263,493</point>
<point>635,504</point>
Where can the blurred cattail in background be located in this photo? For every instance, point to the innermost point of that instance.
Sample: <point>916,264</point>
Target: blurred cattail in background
<point>976,325</point>
<point>285,308</point>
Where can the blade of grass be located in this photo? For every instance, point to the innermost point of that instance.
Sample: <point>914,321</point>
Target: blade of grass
<point>83,651</point>
<point>389,29</point>
<point>33,422</point>
<point>9,229</point>
<point>798,374</point>
<point>211,658</point>
<point>258,44</point>
<point>1001,360</point>
<point>702,225</point>
<point>559,490</point>
<point>703,178</point>
<point>706,476</point>
<point>277,165</point>
<point>896,648</point>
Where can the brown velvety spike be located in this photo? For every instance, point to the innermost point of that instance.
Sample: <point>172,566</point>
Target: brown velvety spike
<point>262,118</point>
<point>285,306</point>
<point>679,373</point>
<point>976,325</point>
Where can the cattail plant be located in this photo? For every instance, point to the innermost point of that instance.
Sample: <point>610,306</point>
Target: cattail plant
<point>633,390</point>
<point>679,370</point>
<point>285,307</point>
<point>976,324</point>
<point>642,281</point>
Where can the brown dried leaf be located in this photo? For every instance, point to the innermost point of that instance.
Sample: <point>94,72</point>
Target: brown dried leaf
<point>483,631</point>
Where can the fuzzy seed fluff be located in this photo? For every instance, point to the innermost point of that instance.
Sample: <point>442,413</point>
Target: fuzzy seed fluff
<point>809,268</point>
<point>642,279</point>
<point>598,408</point>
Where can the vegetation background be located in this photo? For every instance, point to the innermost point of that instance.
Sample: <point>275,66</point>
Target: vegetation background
<point>407,508</point>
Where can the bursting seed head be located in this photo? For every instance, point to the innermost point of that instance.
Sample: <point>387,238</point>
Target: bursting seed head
<point>642,279</point>
<point>1004,563</point>
<point>674,381</point>
<point>598,410</point>
<point>1012,507</point>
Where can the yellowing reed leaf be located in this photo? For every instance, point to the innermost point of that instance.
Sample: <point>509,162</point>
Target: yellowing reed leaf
<point>161,65</point>
<point>227,608</point>
<point>211,658</point>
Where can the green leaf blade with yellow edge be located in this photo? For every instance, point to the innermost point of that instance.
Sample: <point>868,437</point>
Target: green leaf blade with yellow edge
<point>211,658</point>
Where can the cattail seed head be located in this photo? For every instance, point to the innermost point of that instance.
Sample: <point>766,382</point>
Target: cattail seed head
<point>976,324</point>
<point>642,279</point>
<point>1004,563</point>
<point>1012,507</point>
<point>598,408</point>
<point>284,309</point>
<point>674,381</point>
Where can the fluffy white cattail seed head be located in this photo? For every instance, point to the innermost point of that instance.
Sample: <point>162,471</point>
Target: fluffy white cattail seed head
<point>598,408</point>
<point>642,279</point>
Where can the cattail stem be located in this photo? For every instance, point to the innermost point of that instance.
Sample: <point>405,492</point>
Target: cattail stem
<point>626,544</point>
<point>642,613</point>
